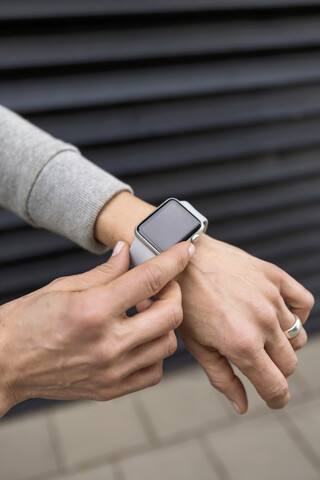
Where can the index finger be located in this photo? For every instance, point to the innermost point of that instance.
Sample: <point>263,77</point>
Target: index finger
<point>149,278</point>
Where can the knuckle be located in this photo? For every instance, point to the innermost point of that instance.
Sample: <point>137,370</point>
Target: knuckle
<point>57,282</point>
<point>105,269</point>
<point>247,346</point>
<point>106,355</point>
<point>171,345</point>
<point>309,300</point>
<point>112,377</point>
<point>272,271</point>
<point>175,315</point>
<point>221,384</point>
<point>157,376</point>
<point>274,294</point>
<point>300,341</point>
<point>99,395</point>
<point>154,276</point>
<point>267,315</point>
<point>88,316</point>
<point>278,392</point>
<point>291,366</point>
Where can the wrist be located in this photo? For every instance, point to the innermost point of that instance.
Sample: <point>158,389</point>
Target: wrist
<point>118,218</point>
<point>7,373</point>
<point>5,405</point>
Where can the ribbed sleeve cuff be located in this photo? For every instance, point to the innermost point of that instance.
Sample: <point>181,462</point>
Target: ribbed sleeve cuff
<point>68,195</point>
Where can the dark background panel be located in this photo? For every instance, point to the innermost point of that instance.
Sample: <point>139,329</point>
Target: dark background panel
<point>214,101</point>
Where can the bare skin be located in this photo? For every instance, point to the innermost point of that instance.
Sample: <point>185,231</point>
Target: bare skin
<point>234,309</point>
<point>72,339</point>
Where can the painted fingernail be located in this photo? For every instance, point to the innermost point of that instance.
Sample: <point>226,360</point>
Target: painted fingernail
<point>236,407</point>
<point>192,249</point>
<point>117,248</point>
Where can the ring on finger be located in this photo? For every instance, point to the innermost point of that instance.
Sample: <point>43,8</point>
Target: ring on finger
<point>295,329</point>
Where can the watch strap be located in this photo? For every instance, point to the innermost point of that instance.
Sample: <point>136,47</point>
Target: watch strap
<point>139,253</point>
<point>195,212</point>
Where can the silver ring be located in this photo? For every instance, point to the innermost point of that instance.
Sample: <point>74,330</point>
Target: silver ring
<point>295,329</point>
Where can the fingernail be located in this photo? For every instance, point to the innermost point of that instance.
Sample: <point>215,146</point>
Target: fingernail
<point>192,249</point>
<point>236,407</point>
<point>117,248</point>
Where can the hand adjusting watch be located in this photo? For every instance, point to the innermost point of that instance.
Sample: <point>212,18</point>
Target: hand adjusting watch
<point>172,222</point>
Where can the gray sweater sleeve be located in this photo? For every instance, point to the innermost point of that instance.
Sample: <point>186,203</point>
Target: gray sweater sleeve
<point>50,184</point>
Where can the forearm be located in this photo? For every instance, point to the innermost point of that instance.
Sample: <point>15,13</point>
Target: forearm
<point>6,374</point>
<point>50,184</point>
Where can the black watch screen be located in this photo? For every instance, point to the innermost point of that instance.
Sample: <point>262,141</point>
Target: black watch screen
<point>171,223</point>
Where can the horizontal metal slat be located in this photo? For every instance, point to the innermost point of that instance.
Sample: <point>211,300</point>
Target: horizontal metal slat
<point>229,204</point>
<point>260,199</point>
<point>27,243</point>
<point>284,246</point>
<point>23,276</point>
<point>9,221</point>
<point>226,176</point>
<point>158,42</point>
<point>268,225</point>
<point>20,9</point>
<point>301,265</point>
<point>181,116</point>
<point>158,82</point>
<point>157,155</point>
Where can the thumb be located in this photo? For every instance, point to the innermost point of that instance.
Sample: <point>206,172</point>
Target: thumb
<point>116,266</point>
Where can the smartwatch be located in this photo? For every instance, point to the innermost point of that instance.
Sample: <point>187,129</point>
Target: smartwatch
<point>172,222</point>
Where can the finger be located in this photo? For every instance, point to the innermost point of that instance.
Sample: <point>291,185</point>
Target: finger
<point>301,301</point>
<point>144,305</point>
<point>147,279</point>
<point>144,378</point>
<point>269,382</point>
<point>281,352</point>
<point>163,316</point>
<point>286,321</point>
<point>221,376</point>
<point>149,354</point>
<point>103,274</point>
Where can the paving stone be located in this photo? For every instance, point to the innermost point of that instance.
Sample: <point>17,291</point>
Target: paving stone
<point>101,473</point>
<point>184,461</point>
<point>261,449</point>
<point>309,358</point>
<point>92,429</point>
<point>307,418</point>
<point>183,401</point>
<point>25,448</point>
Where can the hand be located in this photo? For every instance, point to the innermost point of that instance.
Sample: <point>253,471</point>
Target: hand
<point>73,340</point>
<point>235,309</point>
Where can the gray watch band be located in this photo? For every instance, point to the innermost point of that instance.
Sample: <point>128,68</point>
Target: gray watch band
<point>197,214</point>
<point>139,252</point>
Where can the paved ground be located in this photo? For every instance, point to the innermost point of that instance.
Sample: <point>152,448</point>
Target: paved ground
<point>179,430</point>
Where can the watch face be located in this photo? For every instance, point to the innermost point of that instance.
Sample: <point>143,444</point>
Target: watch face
<point>169,224</point>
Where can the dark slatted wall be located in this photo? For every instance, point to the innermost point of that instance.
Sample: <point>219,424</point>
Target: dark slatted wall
<point>217,101</point>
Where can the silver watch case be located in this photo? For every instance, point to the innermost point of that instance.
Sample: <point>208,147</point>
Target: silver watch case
<point>187,206</point>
